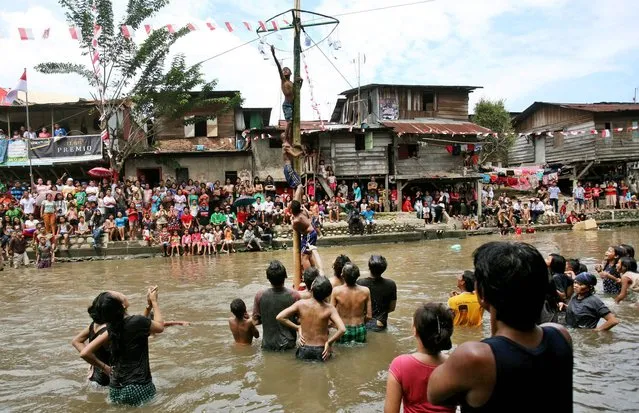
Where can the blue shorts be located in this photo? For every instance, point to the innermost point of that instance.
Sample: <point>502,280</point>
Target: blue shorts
<point>292,178</point>
<point>307,241</point>
<point>579,201</point>
<point>287,108</point>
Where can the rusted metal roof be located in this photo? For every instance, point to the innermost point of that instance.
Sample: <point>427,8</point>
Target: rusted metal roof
<point>435,127</point>
<point>602,107</point>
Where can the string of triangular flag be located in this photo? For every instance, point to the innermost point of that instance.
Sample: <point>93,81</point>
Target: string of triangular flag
<point>605,133</point>
<point>314,104</point>
<point>27,33</point>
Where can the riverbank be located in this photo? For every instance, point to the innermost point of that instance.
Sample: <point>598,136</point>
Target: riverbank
<point>390,228</point>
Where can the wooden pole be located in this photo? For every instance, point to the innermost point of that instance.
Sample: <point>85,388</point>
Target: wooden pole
<point>297,139</point>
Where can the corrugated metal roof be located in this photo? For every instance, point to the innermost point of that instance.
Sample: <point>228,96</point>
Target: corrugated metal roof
<point>436,126</point>
<point>602,107</point>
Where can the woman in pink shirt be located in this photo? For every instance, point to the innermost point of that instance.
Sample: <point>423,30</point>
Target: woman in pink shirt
<point>409,373</point>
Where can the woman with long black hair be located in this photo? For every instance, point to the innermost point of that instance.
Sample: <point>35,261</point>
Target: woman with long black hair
<point>128,337</point>
<point>94,330</point>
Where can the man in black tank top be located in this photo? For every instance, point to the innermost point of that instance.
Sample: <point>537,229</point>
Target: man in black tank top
<point>522,367</point>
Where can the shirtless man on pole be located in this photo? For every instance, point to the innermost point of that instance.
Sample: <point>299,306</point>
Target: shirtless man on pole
<point>314,316</point>
<point>289,97</point>
<point>302,223</point>
<point>353,304</point>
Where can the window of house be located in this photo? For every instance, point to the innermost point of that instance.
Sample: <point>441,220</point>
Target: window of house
<point>428,101</point>
<point>407,151</point>
<point>232,175</point>
<point>274,143</point>
<point>360,142</point>
<point>608,126</point>
<point>200,128</point>
<point>635,131</point>
<point>181,174</point>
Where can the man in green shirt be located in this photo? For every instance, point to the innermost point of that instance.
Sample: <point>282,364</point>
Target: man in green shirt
<point>13,212</point>
<point>218,218</point>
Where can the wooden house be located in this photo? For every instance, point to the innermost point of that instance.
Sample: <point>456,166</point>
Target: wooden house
<point>587,139</point>
<point>207,150</point>
<point>405,133</point>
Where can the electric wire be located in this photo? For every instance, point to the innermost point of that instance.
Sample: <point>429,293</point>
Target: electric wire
<point>329,60</point>
<point>383,8</point>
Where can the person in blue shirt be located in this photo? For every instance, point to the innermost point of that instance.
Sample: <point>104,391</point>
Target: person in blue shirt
<point>59,130</point>
<point>120,224</point>
<point>368,215</point>
<point>357,193</point>
<point>17,190</point>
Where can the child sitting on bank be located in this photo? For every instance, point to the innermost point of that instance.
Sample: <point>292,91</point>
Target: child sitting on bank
<point>186,243</point>
<point>241,324</point>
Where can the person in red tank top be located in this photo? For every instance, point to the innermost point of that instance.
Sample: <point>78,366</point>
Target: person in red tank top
<point>409,373</point>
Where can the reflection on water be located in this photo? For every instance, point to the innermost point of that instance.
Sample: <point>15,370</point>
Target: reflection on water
<point>198,368</point>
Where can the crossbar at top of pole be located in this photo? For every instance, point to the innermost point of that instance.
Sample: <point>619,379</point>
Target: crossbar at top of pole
<point>296,12</point>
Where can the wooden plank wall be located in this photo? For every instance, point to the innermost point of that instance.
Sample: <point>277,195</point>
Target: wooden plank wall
<point>347,162</point>
<point>549,117</point>
<point>430,158</point>
<point>175,129</point>
<point>522,152</point>
<point>449,104</point>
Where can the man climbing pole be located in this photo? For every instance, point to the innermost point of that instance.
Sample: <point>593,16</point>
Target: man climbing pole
<point>289,97</point>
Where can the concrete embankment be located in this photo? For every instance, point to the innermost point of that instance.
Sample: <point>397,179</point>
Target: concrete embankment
<point>390,228</point>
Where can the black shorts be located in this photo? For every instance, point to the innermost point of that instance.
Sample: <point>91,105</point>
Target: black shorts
<point>310,353</point>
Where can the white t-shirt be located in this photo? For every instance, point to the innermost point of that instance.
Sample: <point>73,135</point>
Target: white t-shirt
<point>268,207</point>
<point>109,201</point>
<point>28,205</point>
<point>554,192</point>
<point>29,224</point>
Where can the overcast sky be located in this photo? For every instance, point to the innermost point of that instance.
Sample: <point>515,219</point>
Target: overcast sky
<point>518,50</point>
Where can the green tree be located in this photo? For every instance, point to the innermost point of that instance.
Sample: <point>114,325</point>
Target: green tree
<point>492,114</point>
<point>132,84</point>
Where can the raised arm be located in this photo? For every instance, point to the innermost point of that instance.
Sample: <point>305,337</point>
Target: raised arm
<point>277,62</point>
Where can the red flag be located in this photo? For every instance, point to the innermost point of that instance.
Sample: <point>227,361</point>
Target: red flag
<point>247,25</point>
<point>105,135</point>
<point>286,22</point>
<point>191,27</point>
<point>170,28</point>
<point>148,28</point>
<point>262,25</point>
<point>96,57</point>
<point>229,26</point>
<point>20,87</point>
<point>73,31</point>
<point>274,24</point>
<point>25,34</point>
<point>126,31</point>
<point>210,25</point>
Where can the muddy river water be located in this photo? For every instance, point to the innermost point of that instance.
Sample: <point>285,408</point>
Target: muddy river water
<point>198,368</point>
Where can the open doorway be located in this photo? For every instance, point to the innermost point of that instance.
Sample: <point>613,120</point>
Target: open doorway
<point>151,176</point>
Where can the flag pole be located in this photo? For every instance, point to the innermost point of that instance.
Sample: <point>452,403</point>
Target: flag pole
<point>26,93</point>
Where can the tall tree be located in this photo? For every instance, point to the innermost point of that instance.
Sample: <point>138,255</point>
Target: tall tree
<point>131,83</point>
<point>492,114</point>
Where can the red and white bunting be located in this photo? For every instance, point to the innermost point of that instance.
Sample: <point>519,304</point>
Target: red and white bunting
<point>148,29</point>
<point>95,58</point>
<point>247,25</point>
<point>210,25</point>
<point>127,31</point>
<point>191,27</point>
<point>229,26</point>
<point>73,31</point>
<point>274,24</point>
<point>170,28</point>
<point>104,135</point>
<point>262,25</point>
<point>45,34</point>
<point>25,34</point>
<point>286,23</point>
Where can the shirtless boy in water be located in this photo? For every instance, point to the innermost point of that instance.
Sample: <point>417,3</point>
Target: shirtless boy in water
<point>308,276</point>
<point>242,327</point>
<point>314,316</point>
<point>353,304</point>
<point>302,223</point>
